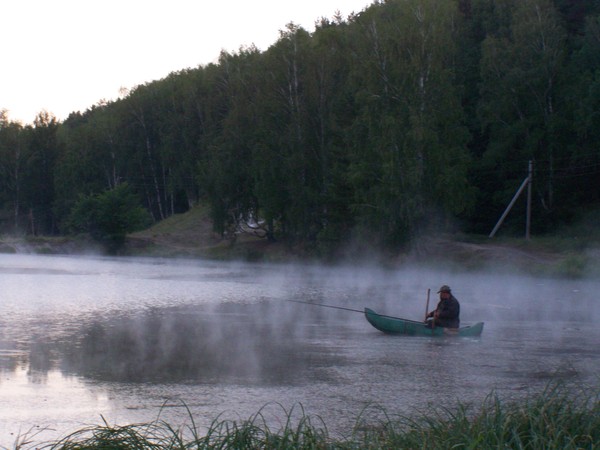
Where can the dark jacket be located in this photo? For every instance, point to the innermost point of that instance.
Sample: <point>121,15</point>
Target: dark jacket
<point>448,313</point>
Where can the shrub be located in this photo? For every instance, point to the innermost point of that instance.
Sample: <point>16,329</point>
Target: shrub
<point>109,216</point>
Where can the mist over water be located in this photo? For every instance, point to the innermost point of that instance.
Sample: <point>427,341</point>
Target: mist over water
<point>132,339</point>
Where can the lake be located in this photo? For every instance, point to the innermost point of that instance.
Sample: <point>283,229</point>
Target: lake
<point>129,340</point>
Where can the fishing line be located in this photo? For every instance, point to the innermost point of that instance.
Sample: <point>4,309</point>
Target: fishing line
<point>328,306</point>
<point>350,309</point>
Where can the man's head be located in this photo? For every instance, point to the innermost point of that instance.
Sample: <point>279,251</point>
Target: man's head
<point>445,291</point>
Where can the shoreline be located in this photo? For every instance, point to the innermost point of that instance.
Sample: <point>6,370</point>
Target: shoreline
<point>558,417</point>
<point>570,253</point>
<point>463,253</point>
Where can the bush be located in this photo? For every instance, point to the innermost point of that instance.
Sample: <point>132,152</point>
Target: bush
<point>109,216</point>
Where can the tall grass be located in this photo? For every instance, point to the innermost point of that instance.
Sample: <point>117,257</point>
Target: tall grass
<point>557,418</point>
<point>553,419</point>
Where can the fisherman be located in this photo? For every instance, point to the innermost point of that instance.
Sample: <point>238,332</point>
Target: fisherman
<point>447,313</point>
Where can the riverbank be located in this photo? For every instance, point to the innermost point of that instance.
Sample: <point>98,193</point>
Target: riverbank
<point>573,252</point>
<point>557,418</point>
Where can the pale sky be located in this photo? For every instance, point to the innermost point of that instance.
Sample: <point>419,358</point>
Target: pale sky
<point>67,55</point>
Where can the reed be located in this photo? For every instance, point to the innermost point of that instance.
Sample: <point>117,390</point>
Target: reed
<point>557,418</point>
<point>554,419</point>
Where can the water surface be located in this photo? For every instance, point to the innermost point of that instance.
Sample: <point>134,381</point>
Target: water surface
<point>85,339</point>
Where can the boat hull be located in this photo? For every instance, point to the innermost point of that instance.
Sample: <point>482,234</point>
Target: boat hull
<point>397,325</point>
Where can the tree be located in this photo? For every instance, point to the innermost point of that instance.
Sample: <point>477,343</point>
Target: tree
<point>331,111</point>
<point>288,178</point>
<point>12,152</point>
<point>109,216</point>
<point>39,167</point>
<point>142,133</point>
<point>521,70</point>
<point>181,134</point>
<point>92,156</point>
<point>581,178</point>
<point>410,154</point>
<point>225,168</point>
<point>365,128</point>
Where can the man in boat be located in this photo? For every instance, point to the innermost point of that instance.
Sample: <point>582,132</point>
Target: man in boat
<point>447,313</point>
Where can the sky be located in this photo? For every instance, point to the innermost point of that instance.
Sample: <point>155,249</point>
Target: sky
<point>63,56</point>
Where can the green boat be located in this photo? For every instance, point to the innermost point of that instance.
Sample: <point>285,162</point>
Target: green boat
<point>396,325</point>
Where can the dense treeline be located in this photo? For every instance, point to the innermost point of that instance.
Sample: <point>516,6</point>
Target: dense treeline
<point>410,116</point>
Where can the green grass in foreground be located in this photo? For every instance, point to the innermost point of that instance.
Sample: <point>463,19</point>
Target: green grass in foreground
<point>553,419</point>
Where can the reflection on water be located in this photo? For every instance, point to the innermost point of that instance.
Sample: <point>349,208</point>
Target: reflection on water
<point>186,344</point>
<point>127,340</point>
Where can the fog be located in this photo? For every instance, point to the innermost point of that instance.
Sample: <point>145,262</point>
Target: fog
<point>123,337</point>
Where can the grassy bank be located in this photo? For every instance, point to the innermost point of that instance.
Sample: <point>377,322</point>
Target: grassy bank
<point>572,251</point>
<point>554,419</point>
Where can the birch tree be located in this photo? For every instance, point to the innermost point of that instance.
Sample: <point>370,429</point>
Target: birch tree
<point>12,154</point>
<point>412,115</point>
<point>520,73</point>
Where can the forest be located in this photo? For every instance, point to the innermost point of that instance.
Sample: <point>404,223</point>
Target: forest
<point>409,117</point>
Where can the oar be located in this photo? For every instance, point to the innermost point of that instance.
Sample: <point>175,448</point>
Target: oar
<point>427,311</point>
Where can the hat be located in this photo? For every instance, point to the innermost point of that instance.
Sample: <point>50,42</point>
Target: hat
<point>444,288</point>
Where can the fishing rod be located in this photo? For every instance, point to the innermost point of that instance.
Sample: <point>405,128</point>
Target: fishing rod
<point>328,306</point>
<point>350,309</point>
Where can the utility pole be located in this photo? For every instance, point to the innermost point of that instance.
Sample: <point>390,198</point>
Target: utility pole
<point>528,219</point>
<point>526,183</point>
